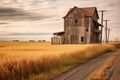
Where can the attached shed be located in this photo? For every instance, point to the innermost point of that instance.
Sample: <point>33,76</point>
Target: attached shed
<point>58,38</point>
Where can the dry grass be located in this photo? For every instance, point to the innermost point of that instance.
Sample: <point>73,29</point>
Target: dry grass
<point>100,73</point>
<point>19,61</point>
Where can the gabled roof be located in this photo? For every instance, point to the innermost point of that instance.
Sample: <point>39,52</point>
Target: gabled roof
<point>88,11</point>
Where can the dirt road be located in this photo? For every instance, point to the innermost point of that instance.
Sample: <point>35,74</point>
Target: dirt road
<point>82,72</point>
<point>116,70</point>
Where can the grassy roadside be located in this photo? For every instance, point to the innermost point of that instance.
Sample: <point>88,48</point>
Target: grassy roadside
<point>68,61</point>
<point>100,73</point>
<point>42,61</point>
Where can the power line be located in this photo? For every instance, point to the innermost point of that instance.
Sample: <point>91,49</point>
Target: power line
<point>102,15</point>
<point>106,36</point>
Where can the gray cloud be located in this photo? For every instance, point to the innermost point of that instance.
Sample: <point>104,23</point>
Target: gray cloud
<point>3,23</point>
<point>49,14</point>
<point>19,14</point>
<point>35,34</point>
<point>24,34</point>
<point>114,3</point>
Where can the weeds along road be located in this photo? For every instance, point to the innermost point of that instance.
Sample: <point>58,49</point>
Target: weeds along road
<point>115,75</point>
<point>83,71</point>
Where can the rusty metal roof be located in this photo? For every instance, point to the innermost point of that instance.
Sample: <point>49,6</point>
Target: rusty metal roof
<point>88,11</point>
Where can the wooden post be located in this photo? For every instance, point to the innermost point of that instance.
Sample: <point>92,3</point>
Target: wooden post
<point>102,11</point>
<point>106,37</point>
<point>89,30</point>
<point>108,34</point>
<point>51,40</point>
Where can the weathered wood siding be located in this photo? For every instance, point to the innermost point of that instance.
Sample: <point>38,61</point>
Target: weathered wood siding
<point>57,40</point>
<point>74,27</point>
<point>94,34</point>
<point>79,28</point>
<point>86,24</point>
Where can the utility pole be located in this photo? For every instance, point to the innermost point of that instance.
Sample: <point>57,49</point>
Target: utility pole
<point>102,14</point>
<point>106,37</point>
<point>108,34</point>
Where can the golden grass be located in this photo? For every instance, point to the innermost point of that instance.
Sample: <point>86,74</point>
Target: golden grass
<point>100,73</point>
<point>23,60</point>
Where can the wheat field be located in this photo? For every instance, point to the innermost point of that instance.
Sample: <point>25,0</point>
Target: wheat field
<point>24,60</point>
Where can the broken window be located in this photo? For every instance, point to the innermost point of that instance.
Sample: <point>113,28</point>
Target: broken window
<point>82,39</point>
<point>76,21</point>
<point>87,30</point>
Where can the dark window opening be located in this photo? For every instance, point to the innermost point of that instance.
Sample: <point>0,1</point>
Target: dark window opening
<point>76,21</point>
<point>86,29</point>
<point>82,39</point>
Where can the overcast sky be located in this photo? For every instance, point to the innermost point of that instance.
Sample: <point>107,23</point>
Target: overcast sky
<point>38,19</point>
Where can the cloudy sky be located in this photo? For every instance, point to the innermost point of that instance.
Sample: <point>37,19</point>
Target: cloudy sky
<point>38,19</point>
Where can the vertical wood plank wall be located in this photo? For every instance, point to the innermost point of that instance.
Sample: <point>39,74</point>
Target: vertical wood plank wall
<point>77,27</point>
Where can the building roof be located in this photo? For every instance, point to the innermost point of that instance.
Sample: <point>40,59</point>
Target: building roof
<point>88,11</point>
<point>59,33</point>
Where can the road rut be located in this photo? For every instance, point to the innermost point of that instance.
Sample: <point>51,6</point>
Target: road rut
<point>83,71</point>
<point>116,70</point>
